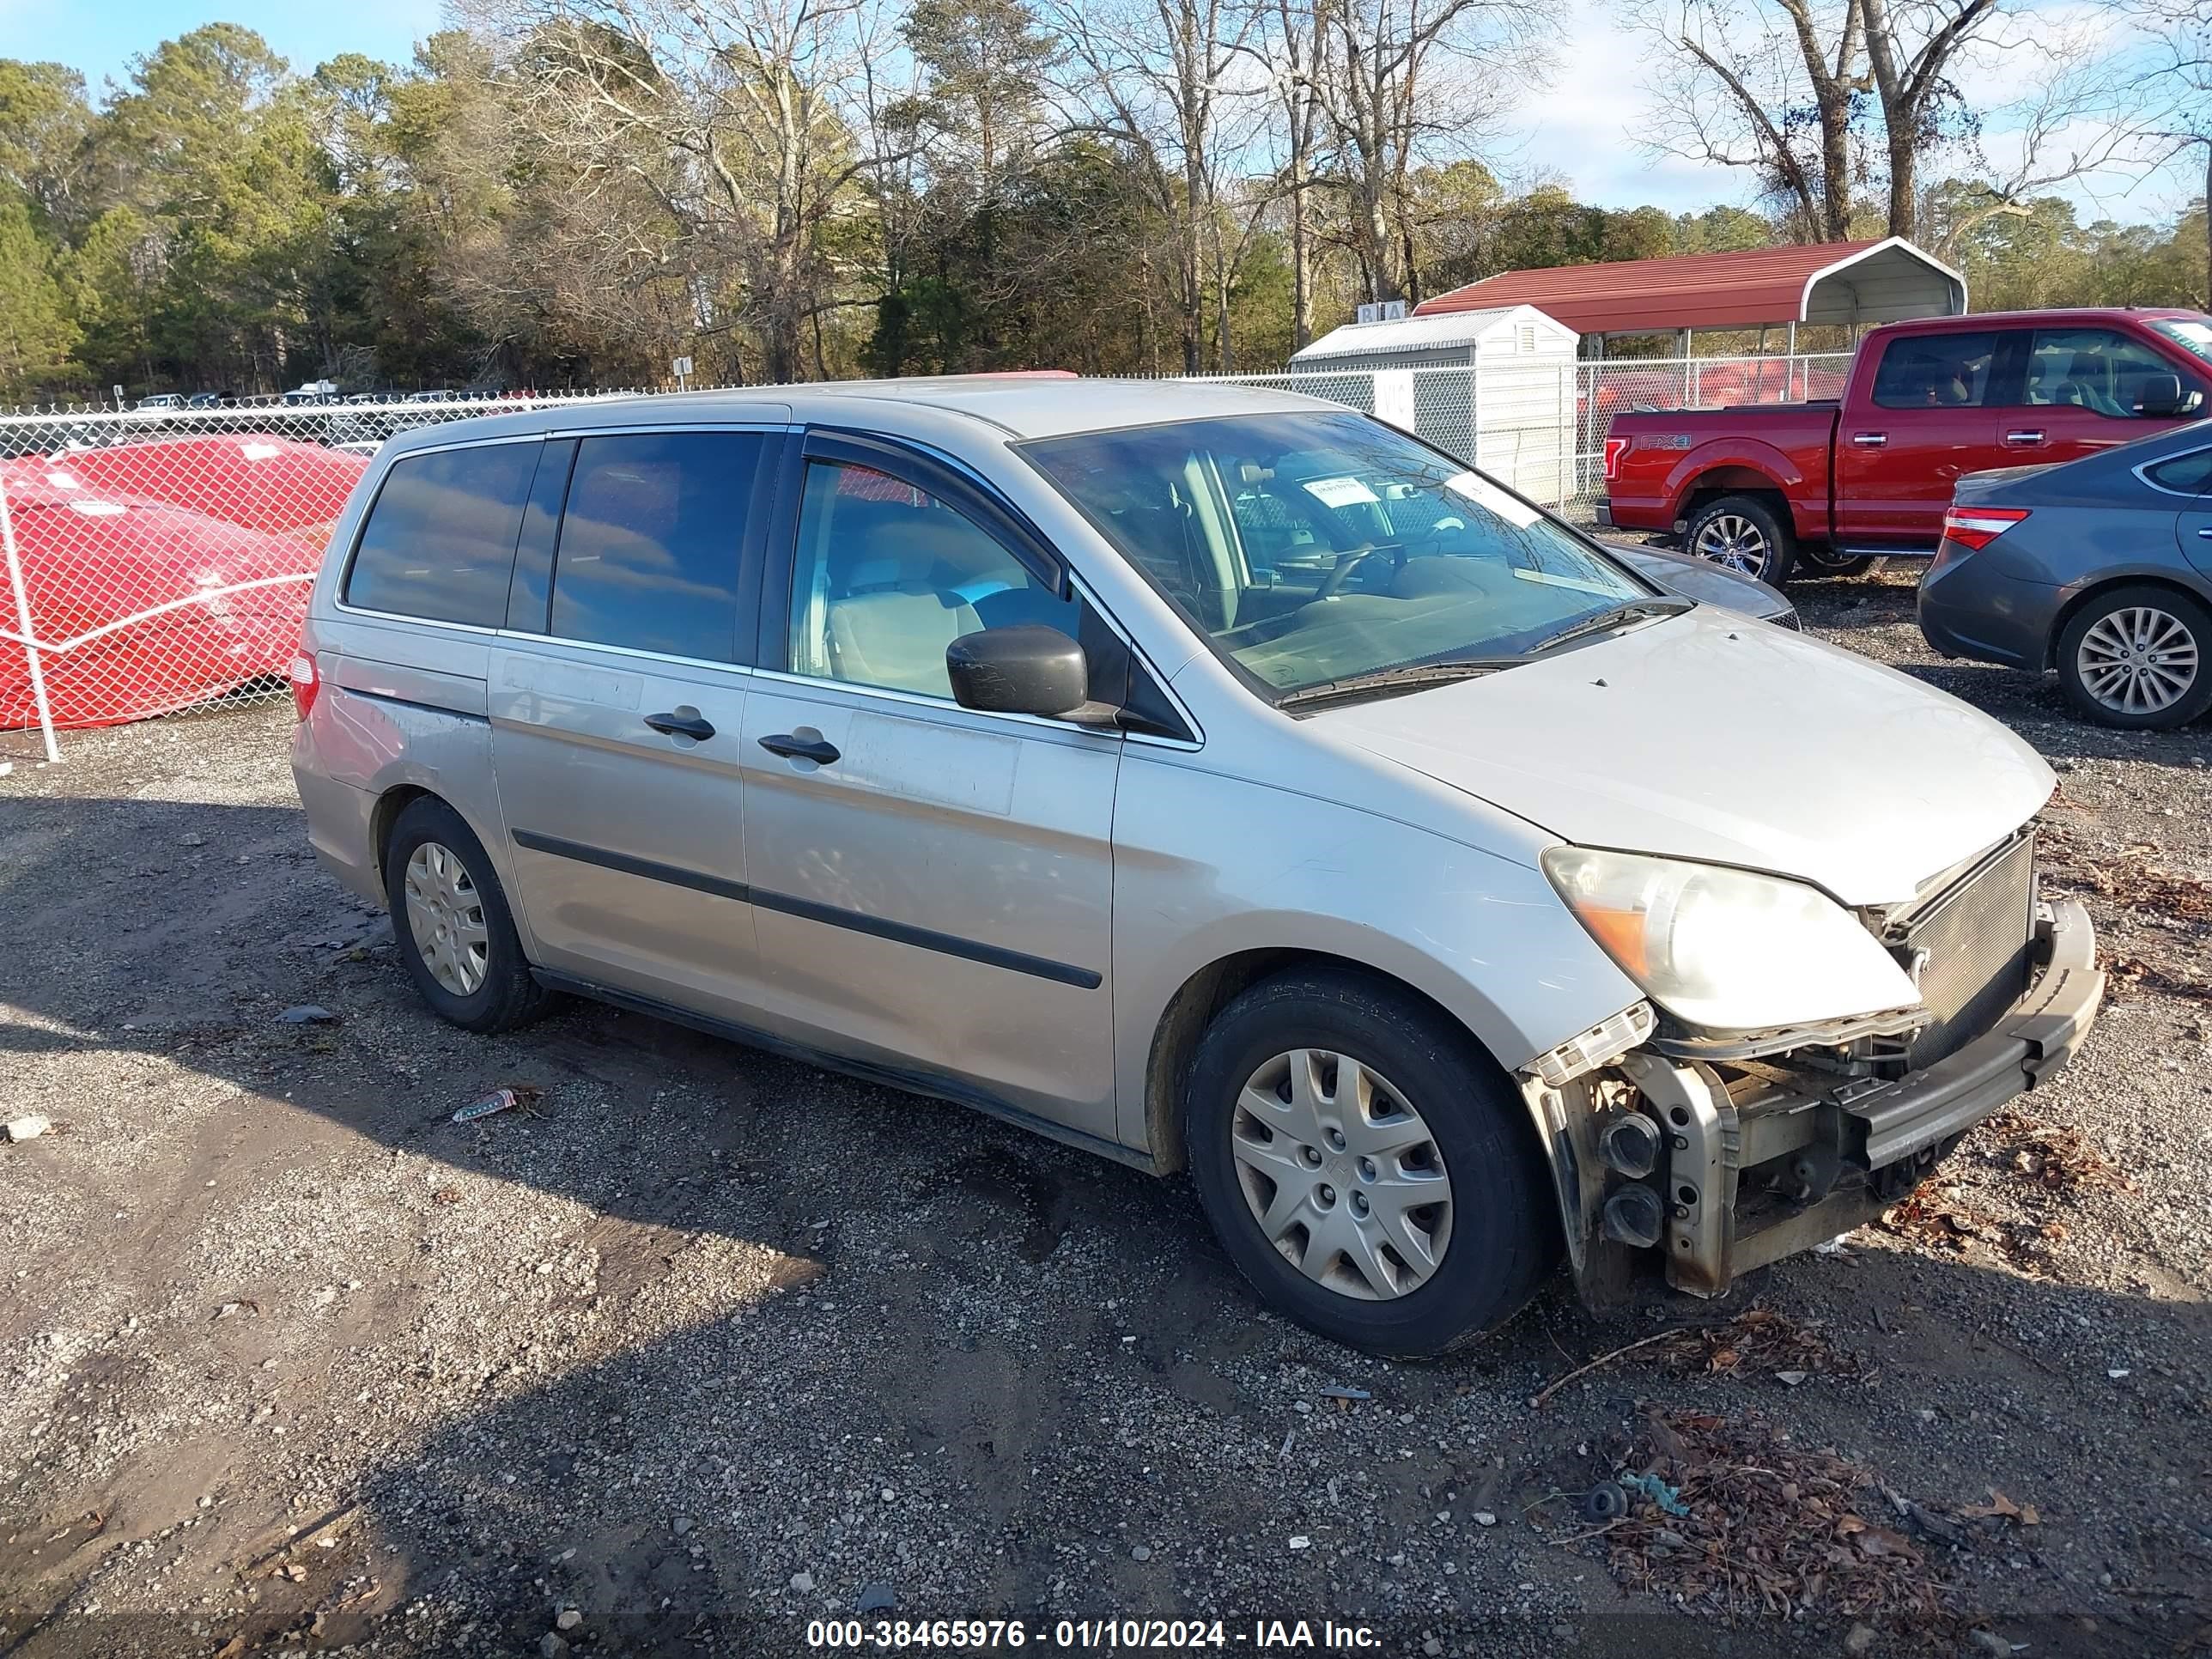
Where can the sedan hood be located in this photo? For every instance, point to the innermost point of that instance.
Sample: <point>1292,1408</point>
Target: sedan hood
<point>1702,579</point>
<point>1703,738</point>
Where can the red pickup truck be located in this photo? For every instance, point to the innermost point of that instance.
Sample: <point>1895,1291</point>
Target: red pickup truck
<point>1825,488</point>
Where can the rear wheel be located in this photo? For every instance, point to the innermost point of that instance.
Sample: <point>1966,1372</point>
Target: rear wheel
<point>2136,657</point>
<point>455,932</point>
<point>1366,1166</point>
<point>1742,533</point>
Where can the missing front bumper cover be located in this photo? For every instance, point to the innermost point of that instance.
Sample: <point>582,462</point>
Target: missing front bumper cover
<point>1762,1163</point>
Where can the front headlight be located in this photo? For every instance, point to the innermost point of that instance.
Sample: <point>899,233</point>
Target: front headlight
<point>1727,950</point>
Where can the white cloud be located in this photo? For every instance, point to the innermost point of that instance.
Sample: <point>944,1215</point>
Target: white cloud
<point>1585,127</point>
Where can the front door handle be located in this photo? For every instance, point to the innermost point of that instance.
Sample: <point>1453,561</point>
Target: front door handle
<point>814,749</point>
<point>681,726</point>
<point>1869,440</point>
<point>2029,437</point>
<point>2206,532</point>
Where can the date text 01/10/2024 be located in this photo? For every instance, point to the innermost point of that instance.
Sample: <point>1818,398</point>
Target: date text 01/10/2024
<point>1264,1636</point>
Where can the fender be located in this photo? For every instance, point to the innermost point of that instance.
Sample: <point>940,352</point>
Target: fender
<point>1770,467</point>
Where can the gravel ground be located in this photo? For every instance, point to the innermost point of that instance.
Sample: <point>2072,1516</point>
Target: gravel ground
<point>714,1343</point>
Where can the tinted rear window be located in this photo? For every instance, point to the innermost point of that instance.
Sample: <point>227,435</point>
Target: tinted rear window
<point>1936,371</point>
<point>649,544</point>
<point>440,541</point>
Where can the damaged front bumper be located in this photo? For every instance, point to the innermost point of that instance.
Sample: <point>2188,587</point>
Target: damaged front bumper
<point>1735,1164</point>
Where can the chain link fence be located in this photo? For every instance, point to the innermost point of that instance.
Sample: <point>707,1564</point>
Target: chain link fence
<point>155,561</point>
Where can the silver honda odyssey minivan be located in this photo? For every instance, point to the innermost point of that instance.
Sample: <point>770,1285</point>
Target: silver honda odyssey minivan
<point>1217,780</point>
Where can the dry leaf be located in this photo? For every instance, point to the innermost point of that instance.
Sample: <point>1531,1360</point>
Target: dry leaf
<point>1999,1505</point>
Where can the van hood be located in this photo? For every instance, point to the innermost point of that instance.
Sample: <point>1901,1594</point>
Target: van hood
<point>1708,737</point>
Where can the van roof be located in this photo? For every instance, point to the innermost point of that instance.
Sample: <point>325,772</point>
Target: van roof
<point>1019,405</point>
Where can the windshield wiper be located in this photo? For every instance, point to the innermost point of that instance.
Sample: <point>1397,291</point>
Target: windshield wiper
<point>1409,677</point>
<point>1613,616</point>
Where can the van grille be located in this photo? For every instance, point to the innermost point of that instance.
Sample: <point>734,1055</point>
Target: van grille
<point>1979,938</point>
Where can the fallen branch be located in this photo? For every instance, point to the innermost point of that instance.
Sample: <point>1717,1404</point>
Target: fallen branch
<point>1602,1359</point>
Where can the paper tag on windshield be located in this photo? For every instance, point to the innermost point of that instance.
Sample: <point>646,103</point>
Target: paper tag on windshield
<point>1339,492</point>
<point>1474,487</point>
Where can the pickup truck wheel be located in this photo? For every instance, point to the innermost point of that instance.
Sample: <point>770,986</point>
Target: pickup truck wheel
<point>2136,657</point>
<point>1742,534</point>
<point>1366,1165</point>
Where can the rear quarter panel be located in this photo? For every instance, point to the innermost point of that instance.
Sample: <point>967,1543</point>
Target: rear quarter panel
<point>402,705</point>
<point>1673,455</point>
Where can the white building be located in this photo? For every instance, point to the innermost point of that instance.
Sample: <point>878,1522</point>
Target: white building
<point>1494,387</point>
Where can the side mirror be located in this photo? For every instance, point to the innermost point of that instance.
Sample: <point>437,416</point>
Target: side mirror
<point>1027,669</point>
<point>2161,398</point>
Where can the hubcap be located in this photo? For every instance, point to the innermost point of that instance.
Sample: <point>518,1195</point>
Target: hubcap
<point>2137,661</point>
<point>1731,540</point>
<point>445,916</point>
<point>1342,1175</point>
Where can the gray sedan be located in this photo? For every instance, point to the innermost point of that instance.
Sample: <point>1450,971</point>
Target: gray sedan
<point>1702,579</point>
<point>2101,569</point>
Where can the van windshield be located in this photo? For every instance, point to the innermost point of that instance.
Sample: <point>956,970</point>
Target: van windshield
<point>1313,549</point>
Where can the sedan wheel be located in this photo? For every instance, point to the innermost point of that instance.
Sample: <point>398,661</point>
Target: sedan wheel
<point>2138,661</point>
<point>1342,1174</point>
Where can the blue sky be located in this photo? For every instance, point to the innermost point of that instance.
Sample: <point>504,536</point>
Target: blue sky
<point>1581,128</point>
<point>101,37</point>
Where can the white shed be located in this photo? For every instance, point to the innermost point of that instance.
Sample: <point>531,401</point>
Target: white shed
<point>1494,387</point>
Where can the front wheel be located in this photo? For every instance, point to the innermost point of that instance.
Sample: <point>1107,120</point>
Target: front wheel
<point>2133,657</point>
<point>1815,560</point>
<point>1367,1166</point>
<point>1742,533</point>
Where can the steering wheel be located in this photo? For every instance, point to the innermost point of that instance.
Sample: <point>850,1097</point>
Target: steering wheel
<point>1333,584</point>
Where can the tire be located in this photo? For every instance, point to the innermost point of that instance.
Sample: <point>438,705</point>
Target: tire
<point>2169,686</point>
<point>1489,1244</point>
<point>1813,559</point>
<point>490,992</point>
<point>1743,534</point>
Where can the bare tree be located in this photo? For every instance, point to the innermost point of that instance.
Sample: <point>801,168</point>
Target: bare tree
<point>2071,116</point>
<point>737,119</point>
<point>1172,81</point>
<point>1292,44</point>
<point>1407,82</point>
<point>2179,84</point>
<point>1911,46</point>
<point>1772,88</point>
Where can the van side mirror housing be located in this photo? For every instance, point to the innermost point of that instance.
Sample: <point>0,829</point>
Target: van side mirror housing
<point>1026,669</point>
<point>2161,398</point>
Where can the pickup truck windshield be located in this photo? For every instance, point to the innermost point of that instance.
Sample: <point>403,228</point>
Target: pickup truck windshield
<point>2192,334</point>
<point>1309,549</point>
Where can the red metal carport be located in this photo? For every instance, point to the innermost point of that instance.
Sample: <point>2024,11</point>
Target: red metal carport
<point>1877,282</point>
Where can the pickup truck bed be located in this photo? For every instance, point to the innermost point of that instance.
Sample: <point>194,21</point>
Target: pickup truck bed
<point>1670,459</point>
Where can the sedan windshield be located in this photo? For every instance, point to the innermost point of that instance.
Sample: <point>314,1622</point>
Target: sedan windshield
<point>1311,549</point>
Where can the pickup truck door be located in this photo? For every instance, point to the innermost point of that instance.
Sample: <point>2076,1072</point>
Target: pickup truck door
<point>1927,419</point>
<point>2078,395</point>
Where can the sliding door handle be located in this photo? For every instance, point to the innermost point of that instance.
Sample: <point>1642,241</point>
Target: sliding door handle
<point>796,748</point>
<point>681,725</point>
